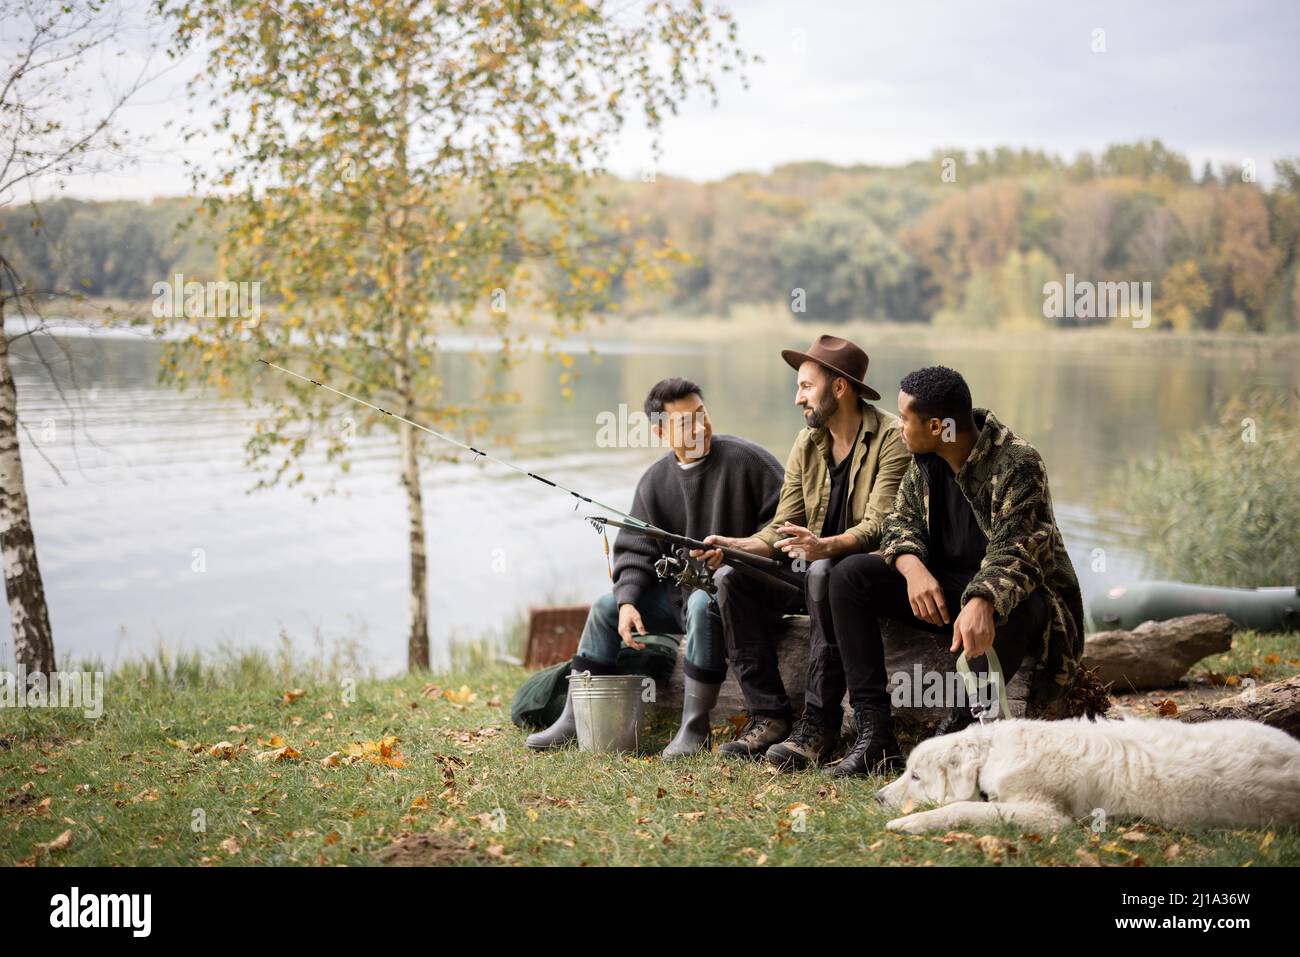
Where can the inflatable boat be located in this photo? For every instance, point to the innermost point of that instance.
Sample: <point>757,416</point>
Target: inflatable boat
<point>1263,609</point>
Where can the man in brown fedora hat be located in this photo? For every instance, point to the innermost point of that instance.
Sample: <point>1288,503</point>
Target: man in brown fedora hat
<point>840,481</point>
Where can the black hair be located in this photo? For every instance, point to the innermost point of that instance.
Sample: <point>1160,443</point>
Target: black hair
<point>938,393</point>
<point>669,390</point>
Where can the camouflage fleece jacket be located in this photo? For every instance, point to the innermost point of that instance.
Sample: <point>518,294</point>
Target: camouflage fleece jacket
<point>1005,481</point>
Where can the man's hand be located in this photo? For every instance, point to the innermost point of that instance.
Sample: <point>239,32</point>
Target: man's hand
<point>923,592</point>
<point>973,631</point>
<point>629,618</point>
<point>713,557</point>
<point>801,543</point>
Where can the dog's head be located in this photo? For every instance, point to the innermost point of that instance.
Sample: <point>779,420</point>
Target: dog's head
<point>940,771</point>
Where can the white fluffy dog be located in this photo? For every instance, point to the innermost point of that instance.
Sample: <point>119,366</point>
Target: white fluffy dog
<point>1042,774</point>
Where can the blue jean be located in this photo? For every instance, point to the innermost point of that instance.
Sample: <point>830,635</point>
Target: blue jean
<point>706,653</point>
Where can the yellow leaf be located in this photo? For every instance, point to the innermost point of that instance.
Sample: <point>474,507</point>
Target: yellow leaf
<point>278,755</point>
<point>463,696</point>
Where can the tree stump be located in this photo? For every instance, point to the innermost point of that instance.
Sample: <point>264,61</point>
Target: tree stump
<point>910,653</point>
<point>1156,654</point>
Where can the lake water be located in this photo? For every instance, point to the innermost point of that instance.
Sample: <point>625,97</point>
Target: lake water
<point>153,474</point>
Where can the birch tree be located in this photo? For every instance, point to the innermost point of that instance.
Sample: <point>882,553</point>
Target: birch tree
<point>396,170</point>
<point>56,121</point>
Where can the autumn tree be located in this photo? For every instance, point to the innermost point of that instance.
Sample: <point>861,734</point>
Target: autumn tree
<point>970,230</point>
<point>57,119</point>
<point>1248,258</point>
<point>399,169</point>
<point>1184,297</point>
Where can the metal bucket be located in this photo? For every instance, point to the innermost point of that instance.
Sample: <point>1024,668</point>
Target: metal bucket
<point>607,710</point>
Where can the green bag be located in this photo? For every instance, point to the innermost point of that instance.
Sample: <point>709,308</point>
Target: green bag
<point>540,699</point>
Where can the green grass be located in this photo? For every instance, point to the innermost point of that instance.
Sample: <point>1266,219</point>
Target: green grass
<point>133,787</point>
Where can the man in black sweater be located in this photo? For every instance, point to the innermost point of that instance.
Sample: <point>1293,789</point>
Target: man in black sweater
<point>706,484</point>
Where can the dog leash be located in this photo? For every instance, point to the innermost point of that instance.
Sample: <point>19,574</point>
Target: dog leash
<point>972,688</point>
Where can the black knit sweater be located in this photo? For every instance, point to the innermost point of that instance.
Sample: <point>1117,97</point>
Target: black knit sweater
<point>733,491</point>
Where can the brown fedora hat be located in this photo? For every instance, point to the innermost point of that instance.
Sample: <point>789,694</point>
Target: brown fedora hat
<point>838,355</point>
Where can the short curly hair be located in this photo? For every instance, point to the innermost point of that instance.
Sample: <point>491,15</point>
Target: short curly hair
<point>938,392</point>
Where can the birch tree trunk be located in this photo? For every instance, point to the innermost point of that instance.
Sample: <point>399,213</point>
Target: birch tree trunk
<point>28,616</point>
<point>417,648</point>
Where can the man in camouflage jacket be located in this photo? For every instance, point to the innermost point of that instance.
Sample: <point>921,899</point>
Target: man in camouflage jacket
<point>1006,483</point>
<point>970,548</point>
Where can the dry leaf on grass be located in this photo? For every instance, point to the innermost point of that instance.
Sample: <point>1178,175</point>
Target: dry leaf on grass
<point>463,696</point>
<point>277,755</point>
<point>383,752</point>
<point>60,843</point>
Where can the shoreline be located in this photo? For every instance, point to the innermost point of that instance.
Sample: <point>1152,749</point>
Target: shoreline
<point>770,323</point>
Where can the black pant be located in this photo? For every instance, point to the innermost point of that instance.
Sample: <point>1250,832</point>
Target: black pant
<point>863,589</point>
<point>751,611</point>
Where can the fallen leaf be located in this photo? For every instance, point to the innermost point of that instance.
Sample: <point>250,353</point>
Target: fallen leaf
<point>278,755</point>
<point>60,843</point>
<point>463,696</point>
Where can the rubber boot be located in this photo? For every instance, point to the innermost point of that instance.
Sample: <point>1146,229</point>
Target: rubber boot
<point>564,730</point>
<point>698,700</point>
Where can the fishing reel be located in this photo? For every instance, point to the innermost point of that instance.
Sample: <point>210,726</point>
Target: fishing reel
<point>680,568</point>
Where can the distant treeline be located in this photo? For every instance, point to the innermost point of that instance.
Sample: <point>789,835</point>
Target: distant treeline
<point>962,239</point>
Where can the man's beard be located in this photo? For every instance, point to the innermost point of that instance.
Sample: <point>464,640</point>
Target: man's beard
<point>819,416</point>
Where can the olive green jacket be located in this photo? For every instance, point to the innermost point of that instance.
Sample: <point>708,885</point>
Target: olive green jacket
<point>1005,481</point>
<point>879,461</point>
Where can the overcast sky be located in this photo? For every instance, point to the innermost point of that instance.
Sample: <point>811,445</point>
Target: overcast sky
<point>850,81</point>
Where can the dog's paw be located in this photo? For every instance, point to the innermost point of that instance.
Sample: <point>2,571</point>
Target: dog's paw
<point>912,824</point>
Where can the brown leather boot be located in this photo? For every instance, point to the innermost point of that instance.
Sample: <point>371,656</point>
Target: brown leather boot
<point>759,733</point>
<point>809,745</point>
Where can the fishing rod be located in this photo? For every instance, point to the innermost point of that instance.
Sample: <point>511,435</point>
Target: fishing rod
<point>679,567</point>
<point>767,569</point>
<point>636,522</point>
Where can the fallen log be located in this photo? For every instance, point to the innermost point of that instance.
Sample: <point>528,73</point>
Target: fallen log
<point>1276,704</point>
<point>909,653</point>
<point>1156,654</point>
